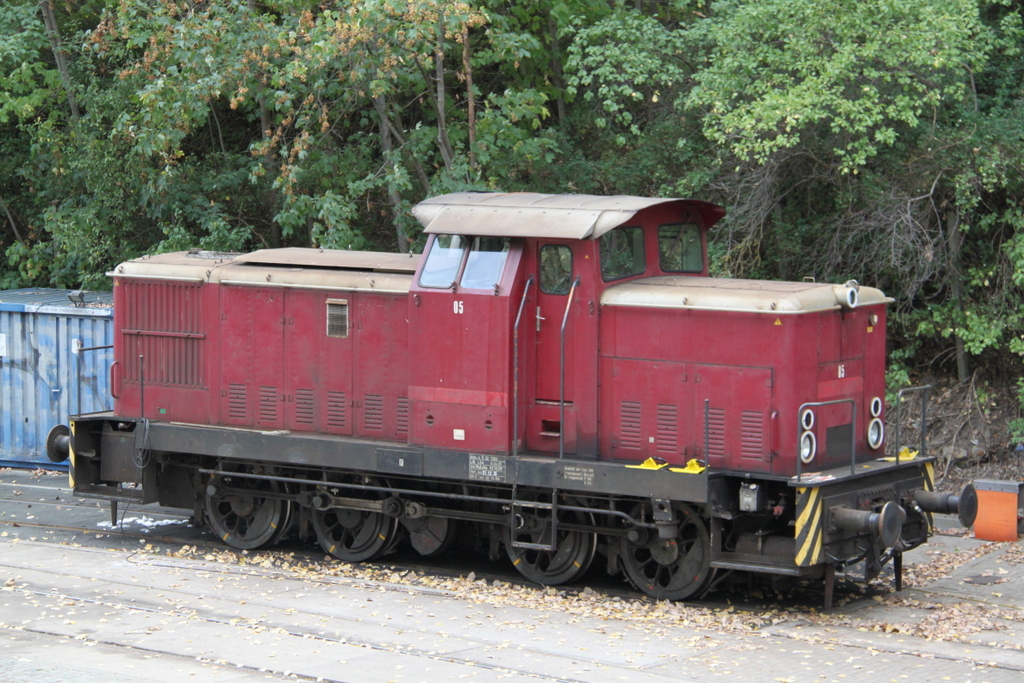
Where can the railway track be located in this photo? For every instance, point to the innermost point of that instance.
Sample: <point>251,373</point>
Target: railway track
<point>167,588</point>
<point>23,500</point>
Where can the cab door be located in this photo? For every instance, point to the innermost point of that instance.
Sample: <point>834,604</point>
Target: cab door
<point>555,274</point>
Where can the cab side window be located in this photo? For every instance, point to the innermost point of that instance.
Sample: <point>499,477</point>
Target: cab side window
<point>680,249</point>
<point>555,268</point>
<point>622,252</point>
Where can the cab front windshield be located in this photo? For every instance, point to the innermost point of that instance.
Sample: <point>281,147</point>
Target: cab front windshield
<point>485,262</point>
<point>484,259</point>
<point>443,261</point>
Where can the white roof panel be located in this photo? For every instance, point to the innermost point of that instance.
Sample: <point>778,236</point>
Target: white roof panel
<point>530,214</point>
<point>726,294</point>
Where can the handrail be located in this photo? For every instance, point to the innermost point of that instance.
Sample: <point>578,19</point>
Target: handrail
<point>561,371</point>
<point>707,430</point>
<point>112,383</point>
<point>899,415</point>
<point>515,370</point>
<point>78,369</point>
<point>853,431</point>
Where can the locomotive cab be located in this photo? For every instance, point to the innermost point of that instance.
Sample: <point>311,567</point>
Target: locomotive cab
<point>509,362</point>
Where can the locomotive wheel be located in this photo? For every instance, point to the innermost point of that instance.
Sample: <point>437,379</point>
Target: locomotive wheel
<point>573,553</point>
<point>674,569</point>
<point>248,520</point>
<point>354,535</point>
<point>285,523</point>
<point>432,536</point>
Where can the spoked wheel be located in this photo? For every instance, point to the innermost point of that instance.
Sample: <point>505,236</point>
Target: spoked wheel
<point>247,520</point>
<point>573,550</point>
<point>286,522</point>
<point>674,569</point>
<point>354,535</point>
<point>432,536</point>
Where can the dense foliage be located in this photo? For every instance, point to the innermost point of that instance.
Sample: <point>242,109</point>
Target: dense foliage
<point>867,139</point>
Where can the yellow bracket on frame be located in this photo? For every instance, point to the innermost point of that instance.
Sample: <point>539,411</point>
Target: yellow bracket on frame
<point>650,464</point>
<point>693,466</point>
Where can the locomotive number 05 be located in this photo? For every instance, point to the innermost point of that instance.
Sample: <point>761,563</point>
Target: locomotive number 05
<point>842,371</point>
<point>457,307</point>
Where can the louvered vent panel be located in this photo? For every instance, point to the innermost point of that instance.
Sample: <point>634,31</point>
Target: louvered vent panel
<point>268,404</point>
<point>304,406</point>
<point>163,322</point>
<point>629,425</point>
<point>667,438</point>
<point>716,433</point>
<point>337,415</point>
<point>373,415</point>
<point>752,434</point>
<point>337,318</point>
<point>236,401</point>
<point>403,415</point>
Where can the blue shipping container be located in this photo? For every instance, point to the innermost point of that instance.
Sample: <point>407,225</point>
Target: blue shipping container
<point>52,365</point>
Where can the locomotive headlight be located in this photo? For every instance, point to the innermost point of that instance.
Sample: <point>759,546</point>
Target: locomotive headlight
<point>876,433</point>
<point>807,419</point>
<point>808,447</point>
<point>876,407</point>
<point>852,297</point>
<point>847,295</point>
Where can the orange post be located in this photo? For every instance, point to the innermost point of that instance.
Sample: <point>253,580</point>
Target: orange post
<point>998,506</point>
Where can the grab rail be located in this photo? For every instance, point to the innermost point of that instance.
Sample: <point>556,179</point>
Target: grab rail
<point>515,370</point>
<point>561,372</point>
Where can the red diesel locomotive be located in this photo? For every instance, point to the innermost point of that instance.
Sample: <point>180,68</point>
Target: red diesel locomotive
<point>557,375</point>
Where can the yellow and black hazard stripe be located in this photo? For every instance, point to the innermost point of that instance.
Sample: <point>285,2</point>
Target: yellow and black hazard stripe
<point>929,485</point>
<point>929,476</point>
<point>809,530</point>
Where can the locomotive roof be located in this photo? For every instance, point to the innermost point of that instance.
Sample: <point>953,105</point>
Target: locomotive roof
<point>334,258</point>
<point>530,214</point>
<point>303,268</point>
<point>727,294</point>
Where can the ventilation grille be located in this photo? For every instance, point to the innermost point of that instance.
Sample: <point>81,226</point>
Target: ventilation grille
<point>236,401</point>
<point>163,322</point>
<point>163,307</point>
<point>337,415</point>
<point>304,407</point>
<point>752,434</point>
<point>402,427</point>
<point>337,318</point>
<point>373,415</point>
<point>629,425</point>
<point>268,404</point>
<point>668,428</point>
<point>716,433</point>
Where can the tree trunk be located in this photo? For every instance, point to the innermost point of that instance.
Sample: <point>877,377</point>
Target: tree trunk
<point>394,196</point>
<point>956,286</point>
<point>271,199</point>
<point>10,219</point>
<point>381,105</point>
<point>53,33</point>
<point>470,97</point>
<point>556,67</point>
<point>442,131</point>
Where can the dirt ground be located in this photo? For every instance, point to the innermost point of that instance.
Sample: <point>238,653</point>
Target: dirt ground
<point>968,428</point>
